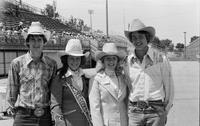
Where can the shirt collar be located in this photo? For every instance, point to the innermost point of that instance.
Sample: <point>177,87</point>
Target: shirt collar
<point>29,59</point>
<point>149,52</point>
<point>69,72</point>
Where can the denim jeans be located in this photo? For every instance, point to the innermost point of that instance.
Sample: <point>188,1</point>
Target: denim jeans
<point>24,118</point>
<point>152,116</point>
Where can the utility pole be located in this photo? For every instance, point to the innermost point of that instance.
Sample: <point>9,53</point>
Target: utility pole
<point>90,13</point>
<point>54,9</point>
<point>107,19</point>
<point>185,45</point>
<point>90,57</point>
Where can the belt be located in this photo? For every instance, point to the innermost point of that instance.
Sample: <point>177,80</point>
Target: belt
<point>38,112</point>
<point>146,104</point>
<point>144,111</point>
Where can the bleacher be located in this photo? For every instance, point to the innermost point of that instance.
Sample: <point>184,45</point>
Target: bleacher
<point>27,17</point>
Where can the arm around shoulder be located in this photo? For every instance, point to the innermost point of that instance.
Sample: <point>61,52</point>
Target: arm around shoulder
<point>56,97</point>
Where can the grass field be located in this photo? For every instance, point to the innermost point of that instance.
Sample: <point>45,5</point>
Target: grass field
<point>185,111</point>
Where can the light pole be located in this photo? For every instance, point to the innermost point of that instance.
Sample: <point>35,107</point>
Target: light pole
<point>90,13</point>
<point>185,45</point>
<point>107,18</point>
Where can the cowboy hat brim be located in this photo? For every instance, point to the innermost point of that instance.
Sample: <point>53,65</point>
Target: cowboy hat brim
<point>101,54</point>
<point>74,53</point>
<point>47,35</point>
<point>149,29</point>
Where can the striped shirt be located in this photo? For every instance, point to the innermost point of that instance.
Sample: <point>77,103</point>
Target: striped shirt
<point>28,81</point>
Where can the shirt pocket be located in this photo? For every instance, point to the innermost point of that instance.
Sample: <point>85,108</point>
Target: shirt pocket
<point>154,72</point>
<point>26,79</point>
<point>46,74</point>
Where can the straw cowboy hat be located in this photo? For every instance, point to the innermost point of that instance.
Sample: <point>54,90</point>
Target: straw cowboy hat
<point>109,49</point>
<point>137,25</point>
<point>36,29</point>
<point>73,48</point>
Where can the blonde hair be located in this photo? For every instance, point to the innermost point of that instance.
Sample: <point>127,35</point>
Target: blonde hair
<point>100,67</point>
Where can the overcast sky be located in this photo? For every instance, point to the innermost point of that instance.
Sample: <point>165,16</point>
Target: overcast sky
<point>170,18</point>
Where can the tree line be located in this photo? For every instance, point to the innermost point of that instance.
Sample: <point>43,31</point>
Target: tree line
<point>79,25</point>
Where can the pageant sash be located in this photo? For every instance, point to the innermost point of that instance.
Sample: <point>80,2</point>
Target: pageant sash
<point>81,102</point>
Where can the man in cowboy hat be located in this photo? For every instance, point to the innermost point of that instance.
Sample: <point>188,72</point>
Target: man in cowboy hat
<point>29,79</point>
<point>152,92</point>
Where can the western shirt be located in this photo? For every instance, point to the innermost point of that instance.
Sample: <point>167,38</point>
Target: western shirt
<point>29,81</point>
<point>151,79</point>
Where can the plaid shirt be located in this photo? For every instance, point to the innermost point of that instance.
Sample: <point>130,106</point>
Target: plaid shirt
<point>28,81</point>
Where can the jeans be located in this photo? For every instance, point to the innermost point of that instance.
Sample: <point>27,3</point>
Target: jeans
<point>154,115</point>
<point>26,118</point>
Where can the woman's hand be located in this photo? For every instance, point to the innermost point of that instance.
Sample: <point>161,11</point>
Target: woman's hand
<point>59,121</point>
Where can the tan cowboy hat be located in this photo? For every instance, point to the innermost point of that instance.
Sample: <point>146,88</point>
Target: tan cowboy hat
<point>36,29</point>
<point>109,49</point>
<point>137,25</point>
<point>73,48</point>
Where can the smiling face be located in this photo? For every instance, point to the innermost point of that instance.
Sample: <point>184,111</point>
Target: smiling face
<point>110,62</point>
<point>74,62</point>
<point>35,44</point>
<point>139,40</point>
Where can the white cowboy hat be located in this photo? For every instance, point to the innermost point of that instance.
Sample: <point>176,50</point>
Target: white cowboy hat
<point>73,48</point>
<point>109,49</point>
<point>36,29</point>
<point>137,25</point>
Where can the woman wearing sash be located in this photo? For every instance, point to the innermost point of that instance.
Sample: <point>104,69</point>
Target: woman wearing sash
<point>108,91</point>
<point>69,89</point>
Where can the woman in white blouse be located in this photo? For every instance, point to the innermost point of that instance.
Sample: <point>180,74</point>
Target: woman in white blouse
<point>108,90</point>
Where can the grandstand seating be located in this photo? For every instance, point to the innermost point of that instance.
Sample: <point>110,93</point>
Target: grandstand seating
<point>9,18</point>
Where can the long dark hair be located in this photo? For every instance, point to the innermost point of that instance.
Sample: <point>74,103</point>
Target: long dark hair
<point>62,71</point>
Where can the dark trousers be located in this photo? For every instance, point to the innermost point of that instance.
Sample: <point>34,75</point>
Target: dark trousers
<point>26,117</point>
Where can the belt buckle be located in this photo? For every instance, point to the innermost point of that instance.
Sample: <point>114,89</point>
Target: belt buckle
<point>38,112</point>
<point>142,104</point>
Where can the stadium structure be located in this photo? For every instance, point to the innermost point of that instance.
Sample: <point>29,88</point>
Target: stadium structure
<point>16,16</point>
